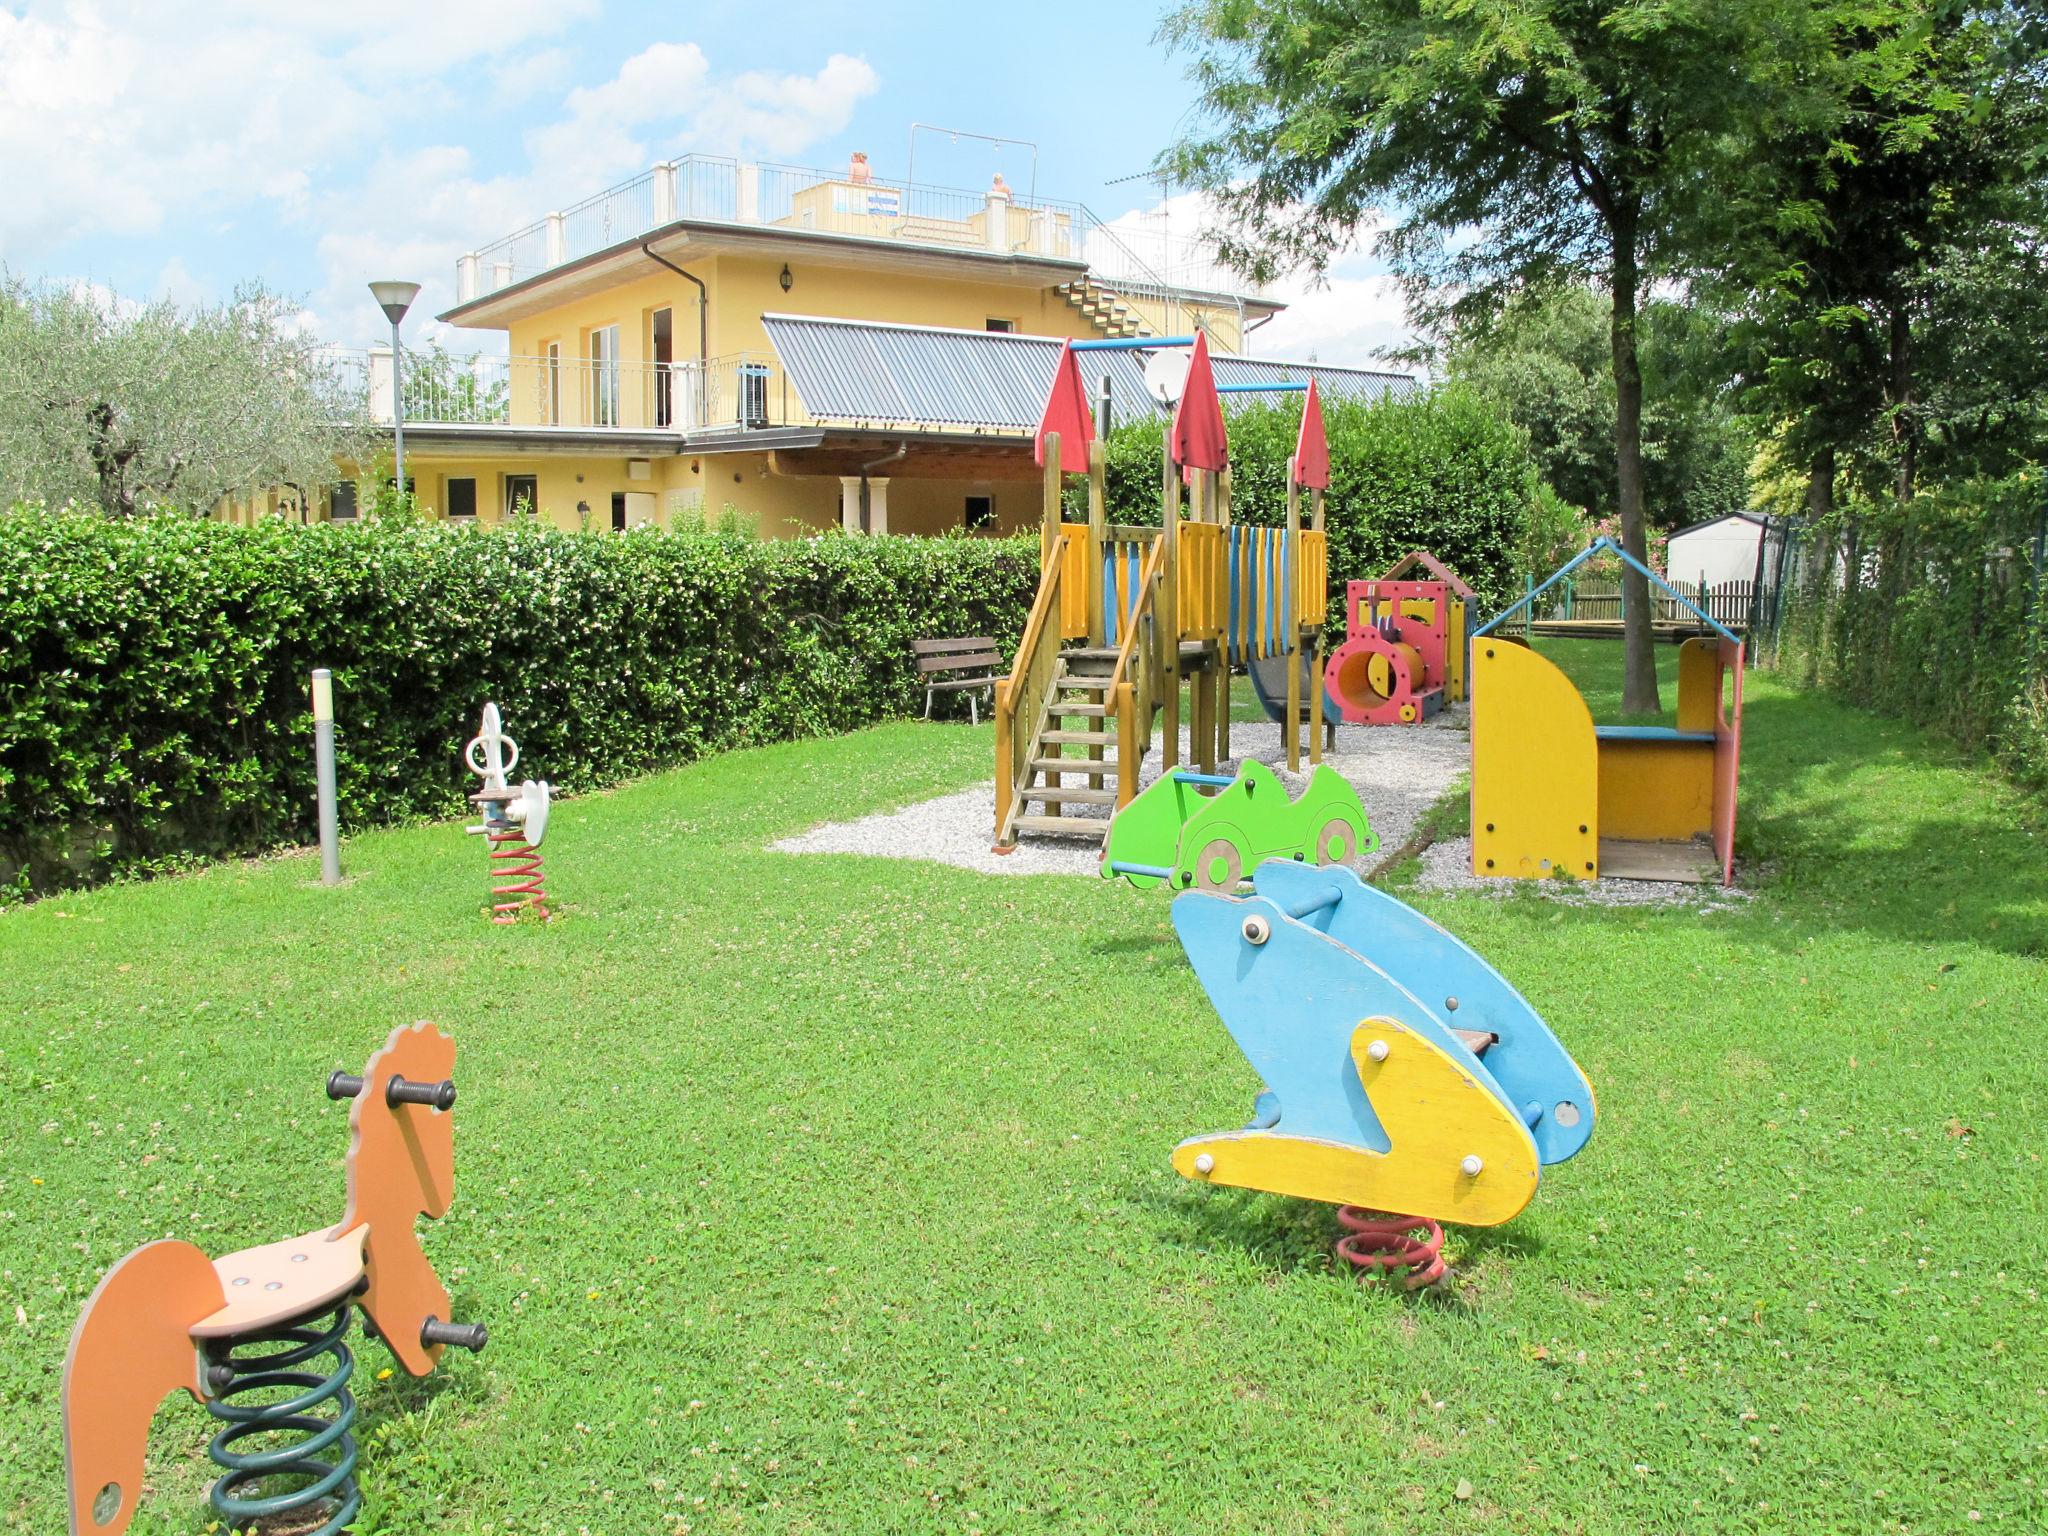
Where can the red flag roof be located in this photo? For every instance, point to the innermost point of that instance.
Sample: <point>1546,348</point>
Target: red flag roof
<point>1199,441</point>
<point>1066,412</point>
<point>1312,448</point>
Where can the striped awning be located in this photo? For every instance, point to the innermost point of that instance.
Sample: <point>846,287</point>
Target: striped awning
<point>870,373</point>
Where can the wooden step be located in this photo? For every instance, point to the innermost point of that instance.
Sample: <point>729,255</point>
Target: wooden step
<point>1089,684</point>
<point>1089,653</point>
<point>1102,768</point>
<point>1088,711</point>
<point>1080,796</point>
<point>1062,826</point>
<point>1081,739</point>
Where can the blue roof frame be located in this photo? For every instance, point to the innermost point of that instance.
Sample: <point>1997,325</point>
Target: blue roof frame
<point>1592,549</point>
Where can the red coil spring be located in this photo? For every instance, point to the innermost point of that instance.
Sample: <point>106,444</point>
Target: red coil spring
<point>515,878</point>
<point>1383,1244</point>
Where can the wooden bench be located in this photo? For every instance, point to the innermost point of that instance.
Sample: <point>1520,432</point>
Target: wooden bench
<point>966,665</point>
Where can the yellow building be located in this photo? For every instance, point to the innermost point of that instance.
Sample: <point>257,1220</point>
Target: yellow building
<point>805,348</point>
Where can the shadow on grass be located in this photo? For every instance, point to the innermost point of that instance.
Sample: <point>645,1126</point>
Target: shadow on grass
<point>1874,826</point>
<point>1286,1236</point>
<point>1135,944</point>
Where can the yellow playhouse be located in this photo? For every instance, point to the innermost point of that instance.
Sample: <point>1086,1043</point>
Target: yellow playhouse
<point>1555,795</point>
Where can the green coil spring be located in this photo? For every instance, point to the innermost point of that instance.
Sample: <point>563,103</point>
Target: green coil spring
<point>316,1459</point>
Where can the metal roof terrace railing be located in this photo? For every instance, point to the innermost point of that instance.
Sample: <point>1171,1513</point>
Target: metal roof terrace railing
<point>718,190</point>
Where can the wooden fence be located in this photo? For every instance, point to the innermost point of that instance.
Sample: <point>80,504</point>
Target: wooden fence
<point>1592,602</point>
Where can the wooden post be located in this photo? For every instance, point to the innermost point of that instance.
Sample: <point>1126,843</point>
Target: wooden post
<point>1100,632</point>
<point>1220,682</point>
<point>1049,523</point>
<point>1005,781</point>
<point>1169,608</point>
<point>1050,551</point>
<point>1098,524</point>
<point>1290,632</point>
<point>1318,720</point>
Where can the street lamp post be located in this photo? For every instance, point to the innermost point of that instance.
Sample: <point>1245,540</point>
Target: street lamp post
<point>395,298</point>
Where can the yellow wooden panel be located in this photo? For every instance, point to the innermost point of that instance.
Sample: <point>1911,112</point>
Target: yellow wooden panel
<point>1313,594</point>
<point>1535,768</point>
<point>1656,791</point>
<point>1073,580</point>
<point>1699,679</point>
<point>1454,654</point>
<point>1204,583</point>
<point>1435,1115</point>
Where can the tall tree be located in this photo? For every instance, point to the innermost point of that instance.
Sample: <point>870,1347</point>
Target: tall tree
<point>1877,261</point>
<point>141,407</point>
<point>1542,358</point>
<point>1516,142</point>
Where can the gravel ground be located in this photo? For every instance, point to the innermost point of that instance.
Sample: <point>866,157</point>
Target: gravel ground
<point>1399,774</point>
<point>1447,866</point>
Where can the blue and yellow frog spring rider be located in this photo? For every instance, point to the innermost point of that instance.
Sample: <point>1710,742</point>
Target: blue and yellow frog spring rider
<point>1404,1079</point>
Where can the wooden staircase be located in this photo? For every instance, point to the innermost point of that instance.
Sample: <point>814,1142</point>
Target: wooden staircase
<point>1080,690</point>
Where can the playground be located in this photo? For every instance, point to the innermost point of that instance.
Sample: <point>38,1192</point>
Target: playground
<point>832,1193</point>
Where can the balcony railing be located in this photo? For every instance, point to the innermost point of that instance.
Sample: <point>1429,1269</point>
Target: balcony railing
<point>738,393</point>
<point>716,190</point>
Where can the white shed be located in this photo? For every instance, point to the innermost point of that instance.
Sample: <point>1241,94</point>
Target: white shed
<point>1720,550</point>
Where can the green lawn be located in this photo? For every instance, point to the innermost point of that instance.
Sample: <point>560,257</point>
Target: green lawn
<point>831,1195</point>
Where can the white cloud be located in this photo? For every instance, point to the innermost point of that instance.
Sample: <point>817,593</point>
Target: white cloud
<point>117,115</point>
<point>125,119</point>
<point>1349,316</point>
<point>778,115</point>
<point>1352,318</point>
<point>415,212</point>
<point>517,80</point>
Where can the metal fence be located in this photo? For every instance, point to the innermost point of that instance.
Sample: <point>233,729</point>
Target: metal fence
<point>717,189</point>
<point>1933,612</point>
<point>742,391</point>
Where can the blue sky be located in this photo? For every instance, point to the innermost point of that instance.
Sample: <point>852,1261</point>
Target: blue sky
<point>166,147</point>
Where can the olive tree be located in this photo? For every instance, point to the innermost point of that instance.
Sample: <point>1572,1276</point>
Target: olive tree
<point>143,407</point>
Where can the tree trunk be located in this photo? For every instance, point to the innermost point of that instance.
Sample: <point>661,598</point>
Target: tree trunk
<point>1905,426</point>
<point>1820,483</point>
<point>1638,638</point>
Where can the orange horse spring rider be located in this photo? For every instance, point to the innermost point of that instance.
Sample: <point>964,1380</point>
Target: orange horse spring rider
<point>260,1337</point>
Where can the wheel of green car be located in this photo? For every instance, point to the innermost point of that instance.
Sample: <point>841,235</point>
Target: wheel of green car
<point>1337,841</point>
<point>1219,866</point>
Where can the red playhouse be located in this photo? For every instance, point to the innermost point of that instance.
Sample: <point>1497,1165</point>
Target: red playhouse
<point>1403,658</point>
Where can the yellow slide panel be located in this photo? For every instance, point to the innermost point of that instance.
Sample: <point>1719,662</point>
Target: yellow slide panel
<point>1535,768</point>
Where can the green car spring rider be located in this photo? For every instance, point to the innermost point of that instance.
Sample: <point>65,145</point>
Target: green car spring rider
<point>1173,834</point>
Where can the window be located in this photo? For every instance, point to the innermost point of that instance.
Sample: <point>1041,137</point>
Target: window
<point>341,502</point>
<point>618,511</point>
<point>981,512</point>
<point>462,498</point>
<point>554,417</point>
<point>604,376</point>
<point>1007,327</point>
<point>522,495</point>
<point>663,339</point>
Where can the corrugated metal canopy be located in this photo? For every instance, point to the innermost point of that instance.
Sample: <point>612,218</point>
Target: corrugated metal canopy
<point>908,375</point>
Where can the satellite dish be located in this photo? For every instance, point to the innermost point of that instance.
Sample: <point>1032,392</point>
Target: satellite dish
<point>1166,375</point>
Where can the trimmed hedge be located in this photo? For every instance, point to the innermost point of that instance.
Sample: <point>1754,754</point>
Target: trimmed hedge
<point>1443,471</point>
<point>154,673</point>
